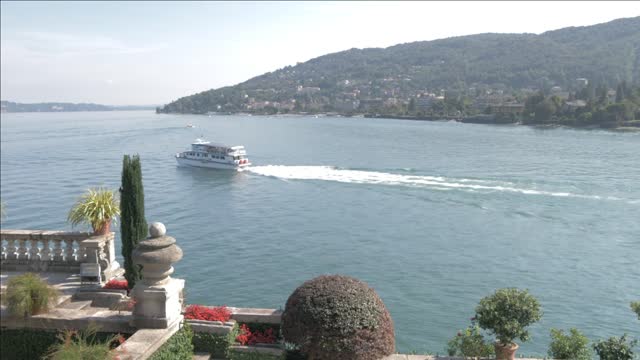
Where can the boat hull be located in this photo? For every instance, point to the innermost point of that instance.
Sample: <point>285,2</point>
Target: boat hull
<point>182,161</point>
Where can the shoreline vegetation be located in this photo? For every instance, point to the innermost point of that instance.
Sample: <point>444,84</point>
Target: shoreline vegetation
<point>591,107</point>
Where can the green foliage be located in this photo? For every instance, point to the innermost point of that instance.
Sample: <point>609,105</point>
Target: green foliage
<point>469,343</point>
<point>254,355</point>
<point>572,346</point>
<point>178,347</point>
<point>215,344</point>
<point>3,211</point>
<point>507,313</point>
<point>338,317</point>
<point>20,344</point>
<point>96,207</point>
<point>28,294</point>
<point>635,306</point>
<point>81,345</point>
<point>615,348</point>
<point>133,227</point>
<point>604,52</point>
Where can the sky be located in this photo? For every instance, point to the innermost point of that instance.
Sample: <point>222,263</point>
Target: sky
<point>151,53</point>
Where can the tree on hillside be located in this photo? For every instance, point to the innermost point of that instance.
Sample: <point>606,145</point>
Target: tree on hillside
<point>133,226</point>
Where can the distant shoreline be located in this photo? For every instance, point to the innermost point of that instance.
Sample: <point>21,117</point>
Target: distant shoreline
<point>635,127</point>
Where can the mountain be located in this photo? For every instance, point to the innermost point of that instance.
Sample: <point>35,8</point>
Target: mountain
<point>8,106</point>
<point>605,54</point>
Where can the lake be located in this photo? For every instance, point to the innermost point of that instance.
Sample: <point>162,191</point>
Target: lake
<point>433,215</point>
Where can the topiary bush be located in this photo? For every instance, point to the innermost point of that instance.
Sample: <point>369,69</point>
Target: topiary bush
<point>507,313</point>
<point>469,343</point>
<point>28,294</point>
<point>615,348</point>
<point>635,307</point>
<point>335,317</point>
<point>573,346</point>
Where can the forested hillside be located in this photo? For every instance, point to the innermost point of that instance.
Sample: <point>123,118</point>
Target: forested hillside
<point>605,54</point>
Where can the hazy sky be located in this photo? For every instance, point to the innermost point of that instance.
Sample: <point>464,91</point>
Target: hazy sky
<point>154,52</point>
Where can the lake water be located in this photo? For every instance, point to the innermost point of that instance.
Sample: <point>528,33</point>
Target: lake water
<point>433,215</point>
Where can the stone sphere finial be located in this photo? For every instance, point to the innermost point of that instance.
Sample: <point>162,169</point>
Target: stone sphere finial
<point>157,229</point>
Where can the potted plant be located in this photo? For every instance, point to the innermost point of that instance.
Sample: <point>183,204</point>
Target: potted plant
<point>507,313</point>
<point>97,207</point>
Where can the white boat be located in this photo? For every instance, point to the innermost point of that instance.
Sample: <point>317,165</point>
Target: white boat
<point>190,125</point>
<point>214,156</point>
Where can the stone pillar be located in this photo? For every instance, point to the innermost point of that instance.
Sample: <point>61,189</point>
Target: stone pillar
<point>157,295</point>
<point>99,249</point>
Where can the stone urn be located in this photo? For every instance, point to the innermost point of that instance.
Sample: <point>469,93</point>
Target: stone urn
<point>157,296</point>
<point>505,352</point>
<point>156,254</point>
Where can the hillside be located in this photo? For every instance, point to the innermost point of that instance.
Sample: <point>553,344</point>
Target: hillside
<point>345,81</point>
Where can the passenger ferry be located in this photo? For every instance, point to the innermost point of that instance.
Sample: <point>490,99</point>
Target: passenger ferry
<point>215,156</point>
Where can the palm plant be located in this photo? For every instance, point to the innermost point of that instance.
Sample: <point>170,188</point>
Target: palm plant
<point>97,207</point>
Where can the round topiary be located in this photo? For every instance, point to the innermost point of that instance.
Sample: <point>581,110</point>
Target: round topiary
<point>335,317</point>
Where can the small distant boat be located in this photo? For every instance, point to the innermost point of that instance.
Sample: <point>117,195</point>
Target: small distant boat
<point>214,156</point>
<point>190,125</point>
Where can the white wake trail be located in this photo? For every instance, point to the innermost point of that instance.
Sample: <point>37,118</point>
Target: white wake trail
<point>329,173</point>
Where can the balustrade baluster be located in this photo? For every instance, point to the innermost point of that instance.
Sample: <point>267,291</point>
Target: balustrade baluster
<point>69,251</point>
<point>34,251</point>
<point>45,254</point>
<point>22,250</point>
<point>3,254</point>
<point>11,249</point>
<point>57,250</point>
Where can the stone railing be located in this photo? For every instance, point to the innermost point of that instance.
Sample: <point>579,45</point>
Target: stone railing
<point>56,251</point>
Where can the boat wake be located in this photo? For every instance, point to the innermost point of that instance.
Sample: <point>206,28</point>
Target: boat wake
<point>330,173</point>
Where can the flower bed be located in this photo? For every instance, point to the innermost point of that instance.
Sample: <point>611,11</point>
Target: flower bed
<point>215,332</point>
<point>116,285</point>
<point>201,312</point>
<point>249,337</point>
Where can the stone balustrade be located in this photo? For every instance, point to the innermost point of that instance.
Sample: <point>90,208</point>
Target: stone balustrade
<point>56,251</point>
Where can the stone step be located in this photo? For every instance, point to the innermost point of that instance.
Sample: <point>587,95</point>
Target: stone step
<point>75,305</point>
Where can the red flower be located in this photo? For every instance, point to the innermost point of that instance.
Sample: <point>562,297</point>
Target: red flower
<point>200,312</point>
<point>256,337</point>
<point>117,284</point>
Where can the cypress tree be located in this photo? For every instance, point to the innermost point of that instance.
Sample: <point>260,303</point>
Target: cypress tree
<point>133,226</point>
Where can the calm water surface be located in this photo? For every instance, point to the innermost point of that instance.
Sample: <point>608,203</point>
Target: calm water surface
<point>433,215</point>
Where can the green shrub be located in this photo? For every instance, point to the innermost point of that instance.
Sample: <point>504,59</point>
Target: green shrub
<point>507,313</point>
<point>573,346</point>
<point>635,306</point>
<point>28,294</point>
<point>615,348</point>
<point>20,344</point>
<point>178,347</point>
<point>215,344</point>
<point>81,345</point>
<point>339,318</point>
<point>469,343</point>
<point>238,355</point>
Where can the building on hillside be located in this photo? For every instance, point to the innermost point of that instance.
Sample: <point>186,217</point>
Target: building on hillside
<point>574,105</point>
<point>507,108</point>
<point>581,83</point>
<point>371,104</point>
<point>424,101</point>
